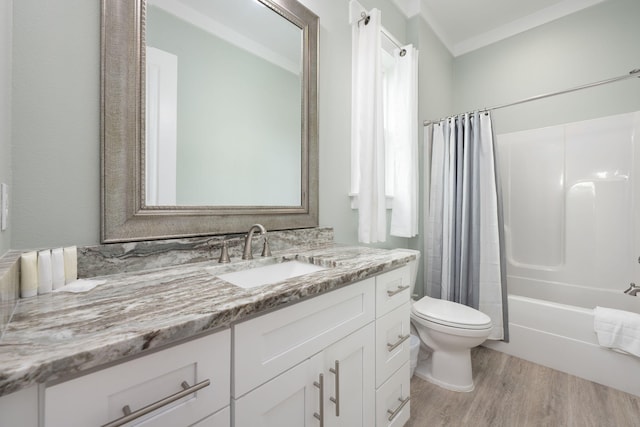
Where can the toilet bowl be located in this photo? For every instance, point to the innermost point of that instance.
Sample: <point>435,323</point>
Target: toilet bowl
<point>450,330</point>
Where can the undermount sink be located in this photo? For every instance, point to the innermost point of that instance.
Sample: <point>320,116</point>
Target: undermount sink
<point>269,274</point>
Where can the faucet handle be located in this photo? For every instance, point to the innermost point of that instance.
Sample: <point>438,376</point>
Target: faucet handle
<point>224,253</point>
<point>266,250</point>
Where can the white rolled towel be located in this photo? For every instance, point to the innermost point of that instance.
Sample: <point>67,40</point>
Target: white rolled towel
<point>57,268</point>
<point>617,329</point>
<point>29,274</point>
<point>45,273</point>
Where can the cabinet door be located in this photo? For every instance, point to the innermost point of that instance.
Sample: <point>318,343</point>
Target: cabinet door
<point>289,400</point>
<point>349,392</point>
<point>20,408</point>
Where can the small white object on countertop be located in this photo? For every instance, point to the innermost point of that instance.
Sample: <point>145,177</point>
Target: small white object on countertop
<point>70,264</point>
<point>29,274</point>
<point>57,268</point>
<point>45,274</point>
<point>80,285</point>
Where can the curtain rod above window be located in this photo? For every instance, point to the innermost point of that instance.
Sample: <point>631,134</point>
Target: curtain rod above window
<point>631,74</point>
<point>364,17</point>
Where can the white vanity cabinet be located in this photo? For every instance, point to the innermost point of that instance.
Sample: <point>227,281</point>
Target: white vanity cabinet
<point>332,388</point>
<point>188,384</point>
<point>295,365</point>
<point>339,359</point>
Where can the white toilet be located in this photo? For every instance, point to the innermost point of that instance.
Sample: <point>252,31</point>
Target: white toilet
<point>450,330</point>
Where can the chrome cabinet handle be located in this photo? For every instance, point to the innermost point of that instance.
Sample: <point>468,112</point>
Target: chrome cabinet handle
<point>397,291</point>
<point>401,339</point>
<point>130,416</point>
<point>320,385</point>
<point>336,399</point>
<point>396,411</point>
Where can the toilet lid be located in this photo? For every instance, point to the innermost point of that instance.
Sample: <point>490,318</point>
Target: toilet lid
<point>449,313</point>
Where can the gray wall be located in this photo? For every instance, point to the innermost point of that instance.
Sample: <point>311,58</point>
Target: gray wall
<point>56,143</point>
<point>5,108</point>
<point>594,44</point>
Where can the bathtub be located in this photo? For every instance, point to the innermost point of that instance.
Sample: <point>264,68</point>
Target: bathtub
<point>561,336</point>
<point>572,233</point>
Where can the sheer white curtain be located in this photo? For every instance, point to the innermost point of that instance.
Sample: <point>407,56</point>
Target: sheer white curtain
<point>367,132</point>
<point>464,242</point>
<point>401,139</point>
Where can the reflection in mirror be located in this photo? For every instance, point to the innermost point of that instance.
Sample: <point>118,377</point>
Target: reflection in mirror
<point>223,105</point>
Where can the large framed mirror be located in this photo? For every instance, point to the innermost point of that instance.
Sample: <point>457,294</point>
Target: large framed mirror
<point>209,117</point>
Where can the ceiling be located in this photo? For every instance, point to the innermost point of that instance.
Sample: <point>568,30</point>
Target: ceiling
<point>466,25</point>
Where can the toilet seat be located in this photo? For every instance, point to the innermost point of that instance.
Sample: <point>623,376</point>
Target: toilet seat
<point>450,314</point>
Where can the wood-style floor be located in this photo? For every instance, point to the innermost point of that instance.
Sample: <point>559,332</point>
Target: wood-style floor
<point>512,392</point>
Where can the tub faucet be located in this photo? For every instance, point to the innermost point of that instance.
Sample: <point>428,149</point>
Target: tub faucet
<point>247,254</point>
<point>633,290</point>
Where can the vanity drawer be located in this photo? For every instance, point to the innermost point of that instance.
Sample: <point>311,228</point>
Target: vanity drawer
<point>392,290</point>
<point>270,344</point>
<point>392,342</point>
<point>98,398</point>
<point>392,399</point>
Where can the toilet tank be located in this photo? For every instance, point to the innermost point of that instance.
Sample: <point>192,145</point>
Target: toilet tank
<point>413,267</point>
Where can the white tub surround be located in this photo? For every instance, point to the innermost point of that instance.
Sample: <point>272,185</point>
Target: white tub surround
<point>572,231</point>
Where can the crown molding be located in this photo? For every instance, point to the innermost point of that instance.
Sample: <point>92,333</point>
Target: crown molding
<point>411,8</point>
<point>543,16</point>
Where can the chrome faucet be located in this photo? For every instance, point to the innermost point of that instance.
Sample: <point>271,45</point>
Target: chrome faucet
<point>633,290</point>
<point>266,251</point>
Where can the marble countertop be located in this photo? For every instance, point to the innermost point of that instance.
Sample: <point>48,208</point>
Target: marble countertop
<point>57,335</point>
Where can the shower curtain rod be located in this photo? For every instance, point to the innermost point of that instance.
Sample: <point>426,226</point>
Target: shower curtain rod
<point>631,74</point>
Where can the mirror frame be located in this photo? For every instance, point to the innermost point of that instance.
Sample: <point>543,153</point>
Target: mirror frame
<point>124,214</point>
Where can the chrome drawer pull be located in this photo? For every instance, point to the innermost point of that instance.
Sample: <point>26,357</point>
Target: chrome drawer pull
<point>320,385</point>
<point>401,339</point>
<point>130,416</point>
<point>397,291</point>
<point>336,399</point>
<point>399,408</point>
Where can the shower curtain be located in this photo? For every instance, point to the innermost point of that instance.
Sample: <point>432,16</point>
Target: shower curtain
<point>464,242</point>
